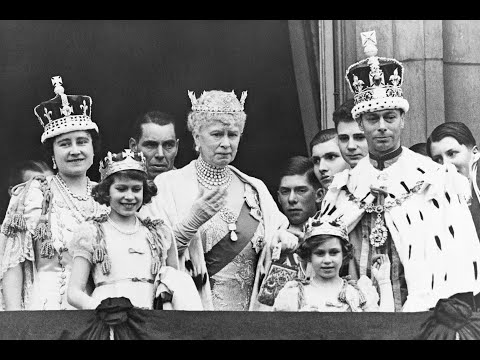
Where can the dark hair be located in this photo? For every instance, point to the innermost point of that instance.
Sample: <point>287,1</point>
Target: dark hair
<point>153,117</point>
<point>101,191</point>
<point>300,165</point>
<point>47,146</point>
<point>16,172</point>
<point>344,113</point>
<point>308,246</point>
<point>420,148</point>
<point>323,136</point>
<point>457,130</point>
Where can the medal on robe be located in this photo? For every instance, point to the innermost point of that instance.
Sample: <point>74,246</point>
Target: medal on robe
<point>379,233</point>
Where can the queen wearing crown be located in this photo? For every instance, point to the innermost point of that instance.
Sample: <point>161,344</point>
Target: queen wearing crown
<point>223,220</point>
<point>43,212</point>
<point>128,256</point>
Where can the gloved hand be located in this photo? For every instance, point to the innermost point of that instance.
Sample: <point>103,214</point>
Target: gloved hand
<point>381,268</point>
<point>207,204</point>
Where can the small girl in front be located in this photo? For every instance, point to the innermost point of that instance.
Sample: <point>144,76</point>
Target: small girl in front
<point>327,247</point>
<point>127,256</point>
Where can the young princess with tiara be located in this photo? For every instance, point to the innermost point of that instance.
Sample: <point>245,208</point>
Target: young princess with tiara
<point>126,255</point>
<point>327,248</point>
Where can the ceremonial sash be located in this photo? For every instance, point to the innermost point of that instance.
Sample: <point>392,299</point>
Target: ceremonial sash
<point>223,252</point>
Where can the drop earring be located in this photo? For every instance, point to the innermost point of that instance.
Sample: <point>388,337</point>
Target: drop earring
<point>197,148</point>
<point>54,163</point>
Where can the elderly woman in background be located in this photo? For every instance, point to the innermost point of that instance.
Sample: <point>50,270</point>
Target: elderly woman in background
<point>42,213</point>
<point>225,222</point>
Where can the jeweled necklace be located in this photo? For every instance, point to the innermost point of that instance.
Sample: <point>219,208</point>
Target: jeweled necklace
<point>379,233</point>
<point>126,232</point>
<point>78,197</point>
<point>210,176</point>
<point>77,212</point>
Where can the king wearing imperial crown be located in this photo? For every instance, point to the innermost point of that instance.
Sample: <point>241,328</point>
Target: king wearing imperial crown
<point>400,203</point>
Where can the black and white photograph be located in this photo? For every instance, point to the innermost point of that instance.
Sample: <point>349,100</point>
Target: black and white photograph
<point>239,180</point>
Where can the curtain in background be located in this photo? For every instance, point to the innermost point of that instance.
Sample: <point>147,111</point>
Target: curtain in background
<point>304,40</point>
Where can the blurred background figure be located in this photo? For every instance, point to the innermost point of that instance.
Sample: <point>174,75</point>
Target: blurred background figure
<point>298,197</point>
<point>297,191</point>
<point>453,142</point>
<point>25,170</point>
<point>154,135</point>
<point>351,139</point>
<point>326,156</point>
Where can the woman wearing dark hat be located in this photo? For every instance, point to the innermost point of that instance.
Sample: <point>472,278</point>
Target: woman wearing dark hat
<point>44,211</point>
<point>224,220</point>
<point>327,248</point>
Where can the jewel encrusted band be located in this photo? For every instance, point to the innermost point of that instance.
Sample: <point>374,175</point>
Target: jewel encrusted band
<point>210,176</point>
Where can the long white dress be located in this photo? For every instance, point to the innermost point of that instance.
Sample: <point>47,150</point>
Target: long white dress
<point>45,279</point>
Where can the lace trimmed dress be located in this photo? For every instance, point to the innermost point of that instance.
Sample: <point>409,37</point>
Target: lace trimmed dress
<point>230,265</point>
<point>298,295</point>
<point>231,259</point>
<point>43,251</point>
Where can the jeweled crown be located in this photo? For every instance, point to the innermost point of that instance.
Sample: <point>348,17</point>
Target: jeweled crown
<point>375,81</point>
<point>217,101</point>
<point>335,227</point>
<point>64,113</point>
<point>125,160</point>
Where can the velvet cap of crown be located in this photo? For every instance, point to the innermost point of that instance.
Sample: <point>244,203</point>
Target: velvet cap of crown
<point>64,113</point>
<point>217,101</point>
<point>334,227</point>
<point>125,160</point>
<point>375,81</point>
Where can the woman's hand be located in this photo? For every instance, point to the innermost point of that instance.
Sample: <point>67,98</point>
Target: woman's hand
<point>208,203</point>
<point>381,268</point>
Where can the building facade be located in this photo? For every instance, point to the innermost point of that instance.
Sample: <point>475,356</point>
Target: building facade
<point>442,69</point>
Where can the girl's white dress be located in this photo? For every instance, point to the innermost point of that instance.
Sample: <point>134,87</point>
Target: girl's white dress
<point>131,260</point>
<point>298,295</point>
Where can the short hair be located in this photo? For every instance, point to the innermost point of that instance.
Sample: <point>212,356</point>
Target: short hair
<point>344,113</point>
<point>15,175</point>
<point>101,191</point>
<point>300,165</point>
<point>151,117</point>
<point>420,148</point>
<point>308,246</point>
<point>47,146</point>
<point>196,119</point>
<point>457,130</point>
<point>323,136</point>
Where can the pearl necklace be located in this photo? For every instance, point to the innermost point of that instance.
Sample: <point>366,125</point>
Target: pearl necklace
<point>79,197</point>
<point>79,214</point>
<point>210,176</point>
<point>131,232</point>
